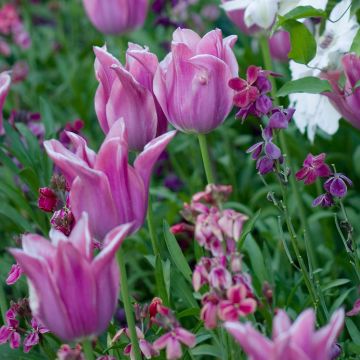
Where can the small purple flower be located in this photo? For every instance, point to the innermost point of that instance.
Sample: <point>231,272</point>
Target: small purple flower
<point>324,200</point>
<point>263,104</point>
<point>280,118</point>
<point>33,338</point>
<point>265,165</point>
<point>8,332</point>
<point>14,274</point>
<point>336,185</point>
<point>313,167</point>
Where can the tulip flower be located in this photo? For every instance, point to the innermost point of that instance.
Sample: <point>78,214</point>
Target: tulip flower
<point>347,99</point>
<point>289,341</point>
<point>5,81</point>
<point>280,45</point>
<point>71,293</point>
<point>191,83</point>
<point>116,16</point>
<point>128,92</point>
<point>104,185</point>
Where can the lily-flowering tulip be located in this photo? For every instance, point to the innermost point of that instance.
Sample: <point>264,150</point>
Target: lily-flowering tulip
<point>5,81</point>
<point>191,83</point>
<point>104,185</point>
<point>290,341</point>
<point>347,99</point>
<point>127,91</point>
<point>116,16</point>
<point>71,293</point>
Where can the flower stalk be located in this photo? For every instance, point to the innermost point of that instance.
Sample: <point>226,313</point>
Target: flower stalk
<point>88,350</point>
<point>160,281</point>
<point>206,158</point>
<point>127,305</point>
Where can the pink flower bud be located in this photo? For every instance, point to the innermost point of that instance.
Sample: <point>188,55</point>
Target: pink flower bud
<point>14,274</point>
<point>116,16</point>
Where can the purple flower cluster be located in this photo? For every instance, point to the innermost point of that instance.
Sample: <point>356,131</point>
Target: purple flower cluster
<point>335,186</point>
<point>30,327</point>
<point>252,97</point>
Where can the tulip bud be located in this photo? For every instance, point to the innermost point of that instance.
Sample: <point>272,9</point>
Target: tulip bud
<point>116,16</point>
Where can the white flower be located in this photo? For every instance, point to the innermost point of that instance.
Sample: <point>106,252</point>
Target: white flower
<point>263,13</point>
<point>315,110</point>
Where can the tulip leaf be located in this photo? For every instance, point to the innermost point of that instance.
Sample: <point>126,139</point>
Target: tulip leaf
<point>309,84</point>
<point>355,46</point>
<point>208,350</point>
<point>248,227</point>
<point>335,283</point>
<point>176,254</point>
<point>301,12</point>
<point>303,44</point>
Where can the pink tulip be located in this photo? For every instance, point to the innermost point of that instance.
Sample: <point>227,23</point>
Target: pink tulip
<point>191,83</point>
<point>71,293</point>
<point>237,17</point>
<point>128,92</point>
<point>5,81</point>
<point>289,341</point>
<point>116,16</point>
<point>280,45</point>
<point>347,99</point>
<point>104,185</point>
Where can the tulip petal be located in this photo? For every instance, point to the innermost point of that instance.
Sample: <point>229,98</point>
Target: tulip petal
<point>146,160</point>
<point>254,344</point>
<point>44,295</point>
<point>77,286</point>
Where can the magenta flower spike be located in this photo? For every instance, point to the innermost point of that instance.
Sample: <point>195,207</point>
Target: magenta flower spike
<point>5,81</point>
<point>191,82</point>
<point>127,92</point>
<point>116,16</point>
<point>297,341</point>
<point>72,294</point>
<point>104,185</point>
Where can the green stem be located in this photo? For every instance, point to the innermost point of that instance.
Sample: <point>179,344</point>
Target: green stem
<point>127,305</point>
<point>3,304</point>
<point>88,350</point>
<point>264,44</point>
<point>160,280</point>
<point>206,158</point>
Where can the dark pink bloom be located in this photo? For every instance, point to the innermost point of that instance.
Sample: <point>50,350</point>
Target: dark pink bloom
<point>201,273</point>
<point>289,341</point>
<point>337,185</point>
<point>116,16</point>
<point>110,190</point>
<point>239,303</point>
<point>172,342</point>
<point>33,338</point>
<point>14,274</point>
<point>20,71</point>
<point>73,294</point>
<point>75,127</point>
<point>314,166</point>
<point>191,83</point>
<point>9,332</point>
<point>4,48</point>
<point>63,220</point>
<point>5,81</point>
<point>355,310</point>
<point>123,90</point>
<point>47,199</point>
